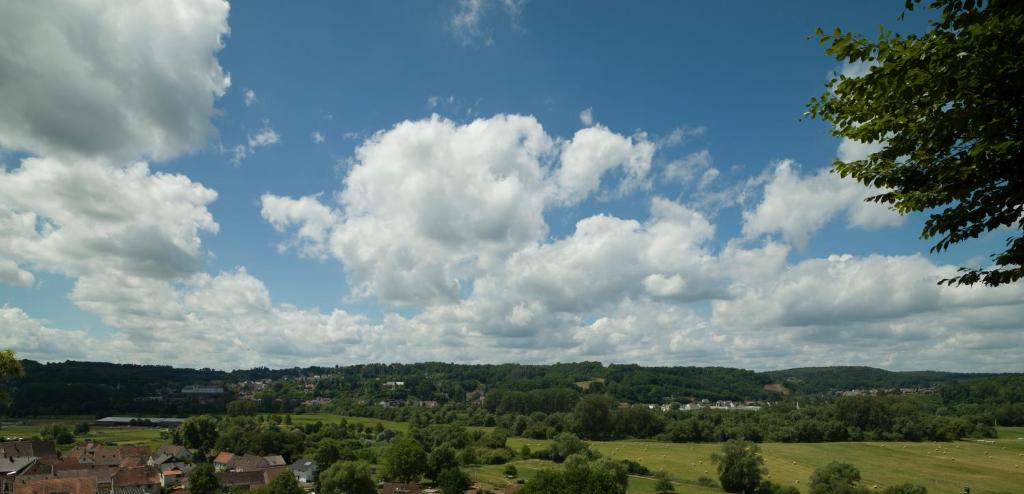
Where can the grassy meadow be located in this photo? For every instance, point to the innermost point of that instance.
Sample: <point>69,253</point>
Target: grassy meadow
<point>984,465</point>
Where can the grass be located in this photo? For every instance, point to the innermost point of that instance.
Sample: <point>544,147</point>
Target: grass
<point>120,436</point>
<point>941,467</point>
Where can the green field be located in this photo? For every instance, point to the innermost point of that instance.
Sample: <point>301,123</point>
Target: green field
<point>989,465</point>
<point>121,436</point>
<point>996,466</point>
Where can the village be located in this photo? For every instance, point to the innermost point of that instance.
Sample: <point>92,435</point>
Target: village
<point>32,466</point>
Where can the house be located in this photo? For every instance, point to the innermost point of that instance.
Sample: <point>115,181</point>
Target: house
<point>224,461</point>
<point>146,477</point>
<point>10,468</point>
<point>28,447</point>
<point>304,470</point>
<point>135,451</point>
<point>72,485</point>
<point>241,480</point>
<point>175,451</point>
<point>173,477</point>
<point>95,454</point>
<point>273,472</point>
<point>275,461</point>
<point>397,488</point>
<point>250,463</point>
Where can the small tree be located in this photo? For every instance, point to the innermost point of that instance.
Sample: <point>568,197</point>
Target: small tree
<point>740,466</point>
<point>511,471</point>
<point>440,459</point>
<point>453,481</point>
<point>664,485</point>
<point>347,477</point>
<point>283,484</point>
<point>202,480</point>
<point>405,460</point>
<point>836,478</point>
<point>9,367</point>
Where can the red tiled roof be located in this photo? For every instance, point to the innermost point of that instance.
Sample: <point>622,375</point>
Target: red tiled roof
<point>224,458</point>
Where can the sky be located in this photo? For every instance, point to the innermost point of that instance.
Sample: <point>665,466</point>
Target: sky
<point>280,184</point>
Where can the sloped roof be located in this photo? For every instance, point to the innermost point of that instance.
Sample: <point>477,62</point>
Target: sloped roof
<point>233,479</point>
<point>275,460</point>
<point>134,476</point>
<point>28,447</point>
<point>224,458</point>
<point>74,485</point>
<point>246,463</point>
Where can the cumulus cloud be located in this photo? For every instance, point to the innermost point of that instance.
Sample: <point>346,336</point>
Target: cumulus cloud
<point>592,152</point>
<point>797,206</point>
<point>91,217</point>
<point>262,138</point>
<point>110,80</point>
<point>35,340</point>
<point>429,204</point>
<point>587,117</point>
<point>11,274</point>
<point>318,137</point>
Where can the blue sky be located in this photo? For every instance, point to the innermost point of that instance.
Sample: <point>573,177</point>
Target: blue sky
<point>324,185</point>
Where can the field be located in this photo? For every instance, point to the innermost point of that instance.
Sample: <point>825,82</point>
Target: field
<point>116,435</point>
<point>996,466</point>
<point>986,466</point>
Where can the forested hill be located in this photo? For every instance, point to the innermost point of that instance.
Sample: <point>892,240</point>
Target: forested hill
<point>813,380</point>
<point>101,388</point>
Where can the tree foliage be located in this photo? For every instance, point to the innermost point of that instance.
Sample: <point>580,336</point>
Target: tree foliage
<point>948,105</point>
<point>836,478</point>
<point>347,477</point>
<point>202,480</point>
<point>453,481</point>
<point>740,466</point>
<point>283,484</point>
<point>404,460</point>
<point>9,367</point>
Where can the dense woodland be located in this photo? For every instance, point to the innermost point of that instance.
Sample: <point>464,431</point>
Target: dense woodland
<point>542,401</point>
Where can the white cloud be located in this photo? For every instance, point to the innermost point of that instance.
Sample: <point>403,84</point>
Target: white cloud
<point>592,152</point>
<point>314,221</point>
<point>249,97</point>
<point>265,137</point>
<point>110,80</point>
<point>680,135</point>
<point>91,217</point>
<point>466,23</point>
<point>430,204</point>
<point>690,167</point>
<point>34,340</point>
<point>587,117</point>
<point>11,274</point>
<point>798,206</point>
<point>318,137</point>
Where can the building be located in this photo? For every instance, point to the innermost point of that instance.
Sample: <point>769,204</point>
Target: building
<point>73,485</point>
<point>146,478</point>
<point>304,470</point>
<point>224,461</point>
